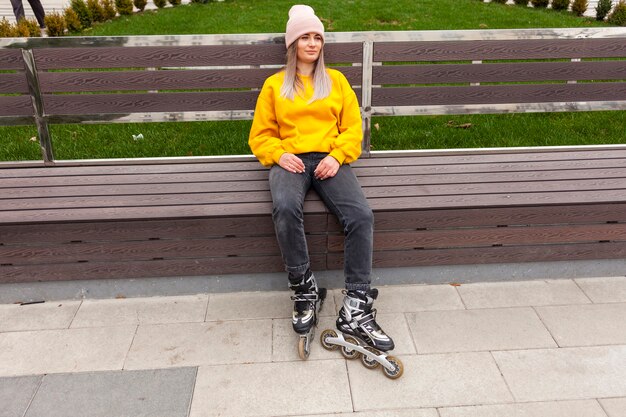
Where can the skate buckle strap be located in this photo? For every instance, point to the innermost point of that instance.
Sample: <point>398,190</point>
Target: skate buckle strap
<point>305,297</point>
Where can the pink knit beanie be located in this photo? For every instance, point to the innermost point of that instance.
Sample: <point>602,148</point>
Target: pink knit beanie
<point>302,20</point>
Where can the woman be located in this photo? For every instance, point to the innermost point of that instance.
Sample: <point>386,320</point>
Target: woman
<point>307,127</point>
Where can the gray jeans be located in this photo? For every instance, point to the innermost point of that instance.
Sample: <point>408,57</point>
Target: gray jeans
<point>344,197</point>
<point>18,10</point>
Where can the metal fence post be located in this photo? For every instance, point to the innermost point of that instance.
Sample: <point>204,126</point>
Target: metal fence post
<point>45,141</point>
<point>366,95</point>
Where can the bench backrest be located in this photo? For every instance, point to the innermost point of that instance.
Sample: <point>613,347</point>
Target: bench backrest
<point>217,77</point>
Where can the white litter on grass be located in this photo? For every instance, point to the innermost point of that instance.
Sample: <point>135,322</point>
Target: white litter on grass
<point>138,137</point>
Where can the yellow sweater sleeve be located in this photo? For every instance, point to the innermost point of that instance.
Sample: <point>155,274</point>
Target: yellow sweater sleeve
<point>331,125</point>
<point>346,147</point>
<point>264,140</point>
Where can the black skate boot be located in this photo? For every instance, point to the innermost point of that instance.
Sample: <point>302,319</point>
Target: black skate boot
<point>358,318</point>
<point>308,300</point>
<point>360,336</point>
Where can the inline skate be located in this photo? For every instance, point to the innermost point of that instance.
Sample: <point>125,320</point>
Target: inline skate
<point>308,301</point>
<point>360,336</point>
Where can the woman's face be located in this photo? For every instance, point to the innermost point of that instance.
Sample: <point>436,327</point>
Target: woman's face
<point>309,46</point>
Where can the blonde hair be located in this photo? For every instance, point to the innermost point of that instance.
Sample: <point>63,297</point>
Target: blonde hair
<point>292,83</point>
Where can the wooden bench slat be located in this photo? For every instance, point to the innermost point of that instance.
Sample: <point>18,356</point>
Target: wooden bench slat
<point>156,268</point>
<point>220,204</point>
<point>181,56</point>
<point>94,180</point>
<point>498,200</point>
<point>192,228</point>
<point>11,59</point>
<point>150,250</point>
<point>53,82</point>
<point>16,106</point>
<point>499,216</point>
<point>13,83</point>
<point>135,189</point>
<point>147,102</point>
<point>519,49</point>
<point>152,80</point>
<point>504,156</point>
<point>498,94</point>
<point>145,212</point>
<point>487,237</point>
<point>226,166</point>
<point>206,183</point>
<point>494,255</point>
<point>490,73</point>
<point>394,170</point>
<point>375,186</point>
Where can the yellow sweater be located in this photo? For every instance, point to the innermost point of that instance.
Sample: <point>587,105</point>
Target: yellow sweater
<point>332,125</point>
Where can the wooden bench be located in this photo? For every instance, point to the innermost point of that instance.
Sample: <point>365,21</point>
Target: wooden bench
<point>173,217</point>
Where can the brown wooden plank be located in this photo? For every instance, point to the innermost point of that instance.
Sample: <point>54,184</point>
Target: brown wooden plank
<point>11,59</point>
<point>152,80</point>
<point>498,94</point>
<point>514,168</point>
<point>110,180</point>
<point>181,56</point>
<point>510,157</point>
<point>499,49</point>
<point>147,269</point>
<point>231,187</point>
<point>158,56</point>
<point>146,213</point>
<point>144,196</point>
<point>95,104</point>
<point>13,83</point>
<point>52,82</point>
<point>121,231</point>
<point>508,188</point>
<point>489,236</point>
<point>491,73</point>
<point>498,200</point>
<point>512,161</point>
<point>16,106</point>
<point>99,105</point>
<point>149,250</point>
<point>190,183</point>
<point>106,171</point>
<point>417,219</point>
<point>494,255</point>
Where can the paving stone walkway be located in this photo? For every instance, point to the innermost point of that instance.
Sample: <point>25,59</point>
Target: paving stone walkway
<point>509,349</point>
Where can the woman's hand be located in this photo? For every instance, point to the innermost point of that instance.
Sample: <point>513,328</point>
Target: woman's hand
<point>327,168</point>
<point>291,163</point>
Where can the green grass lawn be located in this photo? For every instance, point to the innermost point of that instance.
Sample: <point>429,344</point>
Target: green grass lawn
<point>388,133</point>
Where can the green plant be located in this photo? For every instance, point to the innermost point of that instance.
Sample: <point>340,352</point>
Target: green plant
<point>28,28</point>
<point>108,7</point>
<point>140,4</point>
<point>7,30</point>
<point>124,7</point>
<point>618,15</point>
<point>522,2</point>
<point>579,7</point>
<point>603,8</point>
<point>499,1</point>
<point>540,3</point>
<point>71,20</point>
<point>96,10</point>
<point>174,2</point>
<point>55,22</point>
<point>560,4</point>
<point>200,1</point>
<point>160,3</point>
<point>82,11</point>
